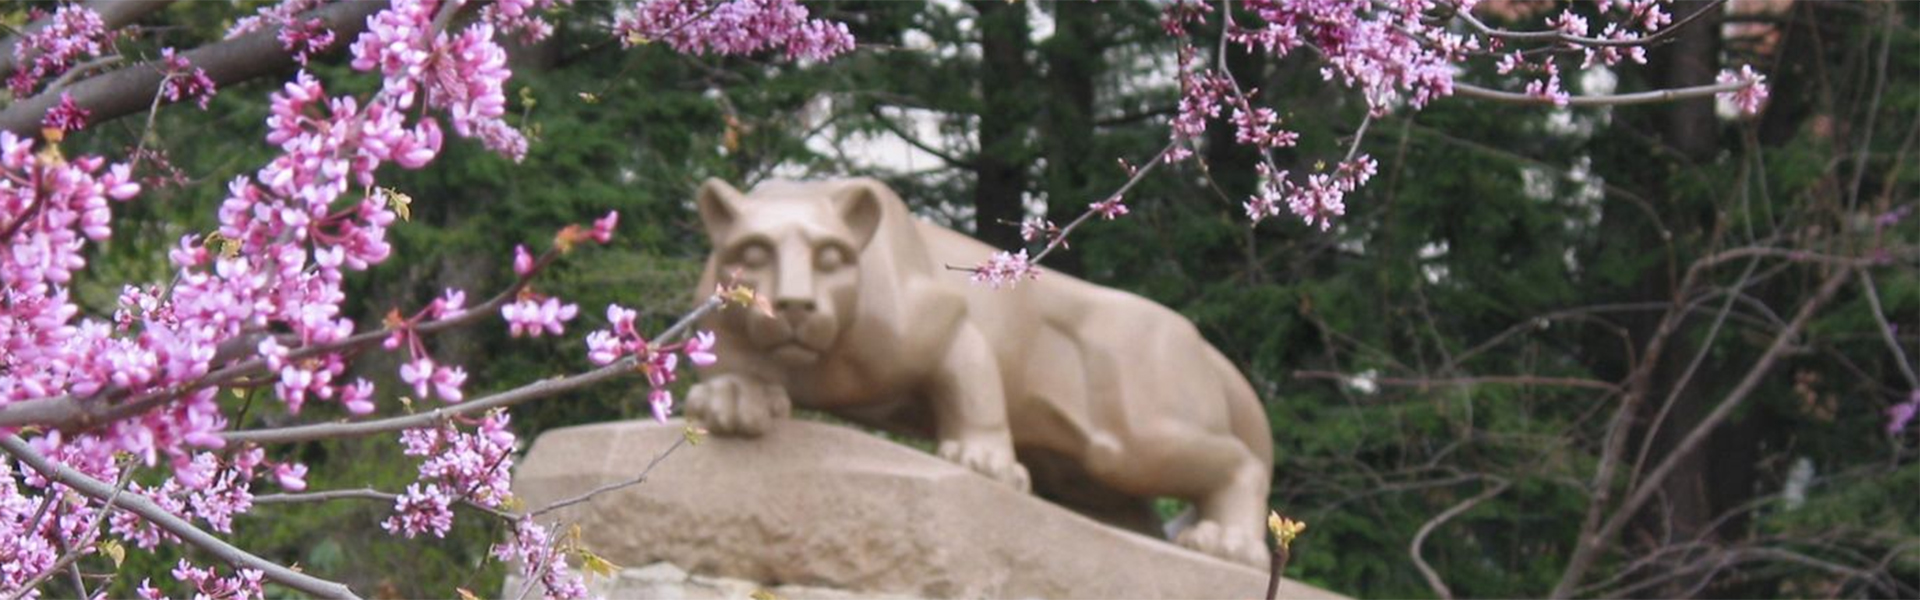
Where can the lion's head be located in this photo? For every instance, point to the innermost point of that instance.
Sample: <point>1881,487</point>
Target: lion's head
<point>798,245</point>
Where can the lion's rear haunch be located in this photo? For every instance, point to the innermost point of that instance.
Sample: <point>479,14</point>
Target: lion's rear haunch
<point>1112,399</point>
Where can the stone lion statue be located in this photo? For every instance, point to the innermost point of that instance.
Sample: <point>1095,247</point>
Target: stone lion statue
<point>1099,399</point>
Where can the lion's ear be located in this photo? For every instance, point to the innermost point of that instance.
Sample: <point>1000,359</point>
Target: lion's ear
<point>719,207</point>
<point>858,203</point>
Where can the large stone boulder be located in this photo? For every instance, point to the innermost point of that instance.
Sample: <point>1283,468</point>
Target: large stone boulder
<point>823,506</point>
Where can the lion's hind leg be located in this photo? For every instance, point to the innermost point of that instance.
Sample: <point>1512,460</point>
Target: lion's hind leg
<point>1216,472</point>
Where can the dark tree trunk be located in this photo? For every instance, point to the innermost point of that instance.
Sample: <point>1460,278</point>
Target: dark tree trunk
<point>1074,65</point>
<point>1006,89</point>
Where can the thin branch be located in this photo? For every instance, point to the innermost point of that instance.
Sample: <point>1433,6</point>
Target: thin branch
<point>881,118</point>
<point>1420,537</point>
<point>187,532</point>
<point>365,494</point>
<point>1428,382</point>
<point>637,480</point>
<point>541,389</point>
<point>1648,97</point>
<point>1886,330</point>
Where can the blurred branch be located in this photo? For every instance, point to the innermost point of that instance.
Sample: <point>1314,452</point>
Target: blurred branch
<point>1429,382</point>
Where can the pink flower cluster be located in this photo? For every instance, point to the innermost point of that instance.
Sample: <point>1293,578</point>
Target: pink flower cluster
<point>659,362</point>
<point>734,27</point>
<point>244,584</point>
<point>1316,202</point>
<point>1005,269</point>
<point>1749,99</point>
<point>74,31</point>
<point>207,488</point>
<point>460,466</point>
<point>1387,50</point>
<point>463,74</point>
<point>184,80</point>
<point>541,558</point>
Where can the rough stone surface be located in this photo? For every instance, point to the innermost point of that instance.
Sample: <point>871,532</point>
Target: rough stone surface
<point>820,506</point>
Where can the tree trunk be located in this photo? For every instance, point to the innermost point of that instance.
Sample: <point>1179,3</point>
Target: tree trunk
<point>1005,84</point>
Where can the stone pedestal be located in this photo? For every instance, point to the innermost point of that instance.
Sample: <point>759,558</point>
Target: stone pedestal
<point>818,507</point>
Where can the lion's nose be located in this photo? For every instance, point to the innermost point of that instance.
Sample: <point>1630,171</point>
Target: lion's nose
<point>793,305</point>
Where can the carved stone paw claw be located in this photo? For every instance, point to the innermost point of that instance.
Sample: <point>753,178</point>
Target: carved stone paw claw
<point>735,405</point>
<point>992,460</point>
<point>1242,545</point>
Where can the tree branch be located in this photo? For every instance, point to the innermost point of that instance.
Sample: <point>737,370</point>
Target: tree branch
<point>124,92</point>
<point>187,532</point>
<point>1588,548</point>
<point>1420,537</point>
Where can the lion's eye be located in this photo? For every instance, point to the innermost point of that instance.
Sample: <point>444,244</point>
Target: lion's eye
<point>829,258</point>
<point>754,256</point>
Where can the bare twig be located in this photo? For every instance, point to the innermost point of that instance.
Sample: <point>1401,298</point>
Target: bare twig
<point>1427,382</point>
<point>1587,548</point>
<point>637,480</point>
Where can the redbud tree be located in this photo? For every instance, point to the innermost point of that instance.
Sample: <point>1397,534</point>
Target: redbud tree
<point>257,300</point>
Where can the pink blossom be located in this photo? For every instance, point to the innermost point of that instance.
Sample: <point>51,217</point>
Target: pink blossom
<point>531,547</point>
<point>66,116</point>
<point>418,373</point>
<point>531,317</point>
<point>1111,208</point>
<point>700,349</point>
<point>73,31</point>
<point>522,261</point>
<point>184,80</point>
<point>661,402</point>
<point>1747,99</point>
<point>603,226</point>
<point>291,476</point>
<point>734,27</point>
<point>1005,269</point>
<point>1035,228</point>
<point>421,510</point>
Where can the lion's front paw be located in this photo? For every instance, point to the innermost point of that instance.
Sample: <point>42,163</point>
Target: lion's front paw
<point>736,405</point>
<point>1242,545</point>
<point>993,460</point>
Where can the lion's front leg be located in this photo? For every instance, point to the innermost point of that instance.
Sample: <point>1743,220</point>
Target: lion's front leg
<point>733,404</point>
<point>970,411</point>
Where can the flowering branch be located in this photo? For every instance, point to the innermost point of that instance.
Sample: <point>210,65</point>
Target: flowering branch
<point>146,509</point>
<point>541,389</point>
<point>125,91</point>
<point>82,412</point>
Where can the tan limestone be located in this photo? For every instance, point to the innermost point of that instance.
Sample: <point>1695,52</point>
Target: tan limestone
<point>821,506</point>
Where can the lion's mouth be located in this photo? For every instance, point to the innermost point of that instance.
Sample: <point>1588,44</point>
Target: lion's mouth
<point>794,352</point>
